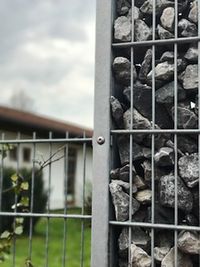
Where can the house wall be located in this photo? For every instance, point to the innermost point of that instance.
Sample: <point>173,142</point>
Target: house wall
<point>55,173</point>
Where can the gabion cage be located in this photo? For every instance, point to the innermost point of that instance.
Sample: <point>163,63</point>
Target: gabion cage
<point>146,170</point>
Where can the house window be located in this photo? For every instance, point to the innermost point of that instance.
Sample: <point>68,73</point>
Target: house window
<point>26,154</point>
<point>13,154</point>
<point>71,171</point>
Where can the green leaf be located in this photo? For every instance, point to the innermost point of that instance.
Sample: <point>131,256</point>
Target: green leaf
<point>24,186</point>
<point>19,220</point>
<point>24,201</point>
<point>5,235</point>
<point>28,263</point>
<point>14,177</point>
<point>18,230</point>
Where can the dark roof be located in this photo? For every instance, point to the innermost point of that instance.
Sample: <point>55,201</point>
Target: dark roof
<point>26,122</point>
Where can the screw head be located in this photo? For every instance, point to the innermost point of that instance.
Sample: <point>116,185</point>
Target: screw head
<point>100,140</point>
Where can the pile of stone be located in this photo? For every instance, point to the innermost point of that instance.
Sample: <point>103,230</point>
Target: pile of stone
<point>165,19</point>
<point>162,75</point>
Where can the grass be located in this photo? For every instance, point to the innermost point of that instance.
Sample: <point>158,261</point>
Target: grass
<point>55,248</point>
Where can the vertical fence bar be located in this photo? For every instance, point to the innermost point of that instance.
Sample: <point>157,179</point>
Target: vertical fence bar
<point>131,136</point>
<point>153,136</point>
<point>83,204</point>
<point>1,172</point>
<point>198,47</point>
<point>101,139</point>
<point>175,136</point>
<point>32,198</point>
<point>66,167</point>
<point>15,206</point>
<point>48,205</point>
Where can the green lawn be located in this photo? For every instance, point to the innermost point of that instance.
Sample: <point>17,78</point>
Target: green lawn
<point>55,247</point>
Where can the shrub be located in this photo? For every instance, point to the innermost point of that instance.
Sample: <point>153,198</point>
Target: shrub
<point>8,198</point>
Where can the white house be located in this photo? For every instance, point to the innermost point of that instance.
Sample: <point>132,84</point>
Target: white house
<point>13,122</point>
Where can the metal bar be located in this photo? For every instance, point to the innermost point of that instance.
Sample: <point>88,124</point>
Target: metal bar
<point>156,42</point>
<point>50,140</point>
<point>48,206</point>
<point>199,107</point>
<point>32,199</point>
<point>153,137</point>
<point>15,209</point>
<point>156,225</point>
<point>157,131</point>
<point>66,160</point>
<point>83,206</point>
<point>101,154</point>
<point>175,136</point>
<point>46,215</point>
<point>1,173</point>
<point>131,140</point>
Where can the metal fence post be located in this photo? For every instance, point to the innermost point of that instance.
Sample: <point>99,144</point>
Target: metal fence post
<point>101,139</point>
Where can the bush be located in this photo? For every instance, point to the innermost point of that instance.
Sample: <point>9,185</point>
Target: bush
<point>8,198</point>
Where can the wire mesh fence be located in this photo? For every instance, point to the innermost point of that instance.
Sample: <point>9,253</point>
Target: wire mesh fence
<point>45,200</point>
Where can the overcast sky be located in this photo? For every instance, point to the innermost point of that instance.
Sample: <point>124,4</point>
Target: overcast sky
<point>47,50</point>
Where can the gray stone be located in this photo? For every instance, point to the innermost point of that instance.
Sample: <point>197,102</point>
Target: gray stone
<point>146,66</point>
<point>136,14</point>
<point>143,103</point>
<point>163,33</point>
<point>139,152</point>
<point>183,260</point>
<point>121,202</point>
<point>164,71</point>
<point>163,215</point>
<point>138,237</point>
<point>187,28</point>
<point>160,253</point>
<point>167,193</point>
<point>191,220</point>
<point>139,257</point>
<point>125,186</point>
<point>123,262</point>
<point>147,7</point>
<point>186,119</point>
<point>122,29</point>
<point>142,31</point>
<point>192,55</point>
<point>139,3</point>
<point>189,243</point>
<point>167,56</point>
<point>140,122</point>
<point>189,169</point>
<point>164,157</point>
<point>187,144</point>
<point>167,18</point>
<point>117,111</point>
<point>143,196</point>
<point>123,6</point>
<point>158,173</point>
<point>123,173</point>
<point>190,77</point>
<point>165,94</point>
<point>114,174</point>
<point>122,70</point>
<point>139,182</point>
<point>193,14</point>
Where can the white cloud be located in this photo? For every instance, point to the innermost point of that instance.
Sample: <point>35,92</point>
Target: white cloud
<point>48,51</point>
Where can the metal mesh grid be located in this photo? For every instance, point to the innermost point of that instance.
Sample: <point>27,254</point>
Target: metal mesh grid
<point>57,152</point>
<point>103,65</point>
